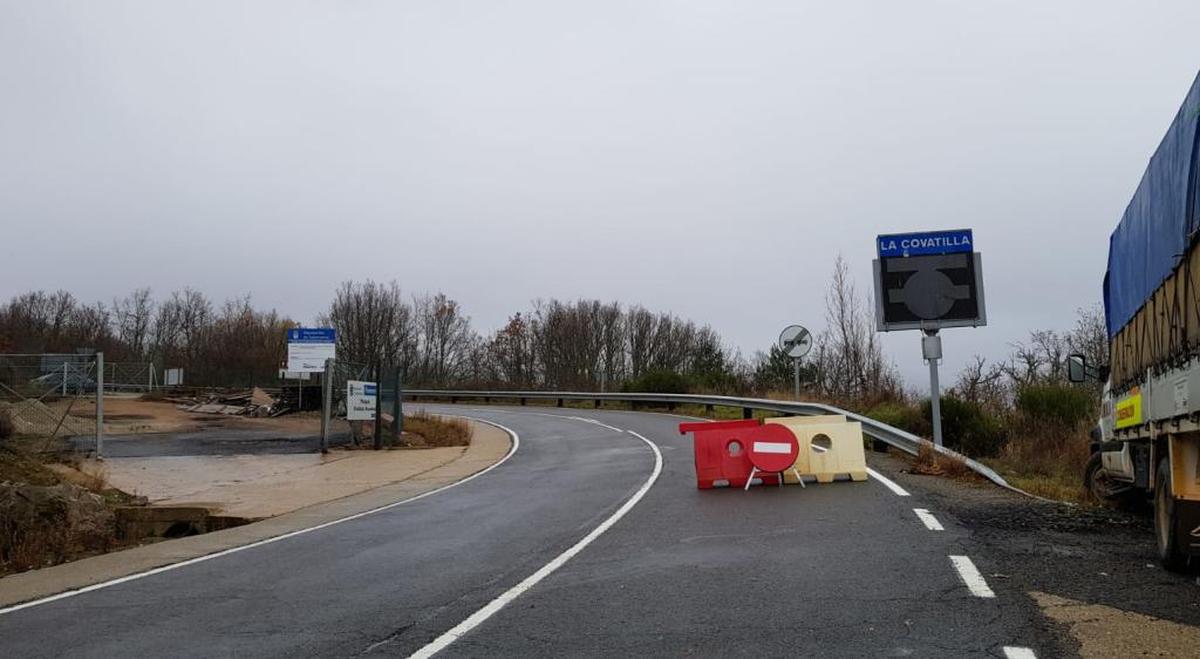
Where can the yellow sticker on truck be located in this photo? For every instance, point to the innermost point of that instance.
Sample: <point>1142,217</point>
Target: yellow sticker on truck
<point>1129,410</point>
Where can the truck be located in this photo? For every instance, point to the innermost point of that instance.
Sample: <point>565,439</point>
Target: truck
<point>1146,444</point>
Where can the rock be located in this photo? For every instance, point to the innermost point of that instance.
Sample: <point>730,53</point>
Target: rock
<point>43,524</point>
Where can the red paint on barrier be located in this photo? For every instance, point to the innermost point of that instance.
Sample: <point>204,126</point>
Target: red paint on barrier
<point>723,451</point>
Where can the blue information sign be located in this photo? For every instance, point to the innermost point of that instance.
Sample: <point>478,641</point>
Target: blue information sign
<point>312,335</point>
<point>925,243</point>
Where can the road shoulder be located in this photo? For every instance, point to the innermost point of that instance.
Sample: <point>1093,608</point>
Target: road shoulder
<point>489,445</point>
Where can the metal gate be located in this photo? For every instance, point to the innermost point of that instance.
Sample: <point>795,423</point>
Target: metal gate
<point>54,394</point>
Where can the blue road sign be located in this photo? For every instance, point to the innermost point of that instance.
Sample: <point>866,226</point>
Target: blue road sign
<point>925,243</point>
<point>312,335</point>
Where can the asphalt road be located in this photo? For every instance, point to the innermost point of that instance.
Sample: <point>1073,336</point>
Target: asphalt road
<point>844,569</point>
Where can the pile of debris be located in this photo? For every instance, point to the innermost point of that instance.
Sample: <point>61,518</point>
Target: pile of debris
<point>255,402</point>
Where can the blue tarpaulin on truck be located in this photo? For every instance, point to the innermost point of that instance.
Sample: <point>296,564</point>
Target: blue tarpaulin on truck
<point>1157,228</point>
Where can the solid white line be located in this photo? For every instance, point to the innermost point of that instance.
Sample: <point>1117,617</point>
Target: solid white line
<point>1011,652</point>
<point>929,520</point>
<point>491,608</point>
<point>516,442</point>
<point>971,577</point>
<point>887,482</point>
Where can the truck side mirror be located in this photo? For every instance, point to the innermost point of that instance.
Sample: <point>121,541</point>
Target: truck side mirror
<point>1077,368</point>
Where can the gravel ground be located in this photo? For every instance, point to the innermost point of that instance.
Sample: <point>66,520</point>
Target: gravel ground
<point>1092,555</point>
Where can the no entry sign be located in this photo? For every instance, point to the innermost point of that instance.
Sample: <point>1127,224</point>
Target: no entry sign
<point>773,448</point>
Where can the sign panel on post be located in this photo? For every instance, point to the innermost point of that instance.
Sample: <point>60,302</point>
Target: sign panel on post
<point>360,400</point>
<point>309,347</point>
<point>926,281</point>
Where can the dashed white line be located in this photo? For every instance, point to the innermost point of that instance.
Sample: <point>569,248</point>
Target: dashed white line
<point>929,520</point>
<point>595,422</point>
<point>971,577</point>
<point>888,483</point>
<point>491,608</point>
<point>516,443</point>
<point>1011,652</point>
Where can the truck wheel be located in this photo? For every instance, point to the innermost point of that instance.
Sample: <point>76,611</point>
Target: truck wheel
<point>1164,520</point>
<point>1102,487</point>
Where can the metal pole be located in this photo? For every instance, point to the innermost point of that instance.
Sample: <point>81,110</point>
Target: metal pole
<point>99,405</point>
<point>796,369</point>
<point>64,378</point>
<point>935,394</point>
<point>326,403</point>
<point>378,433</point>
<point>397,408</point>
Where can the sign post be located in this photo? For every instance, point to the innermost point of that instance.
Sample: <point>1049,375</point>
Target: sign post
<point>796,341</point>
<point>928,281</point>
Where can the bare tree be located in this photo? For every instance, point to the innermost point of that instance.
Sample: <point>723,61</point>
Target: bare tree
<point>133,316</point>
<point>850,362</point>
<point>374,325</point>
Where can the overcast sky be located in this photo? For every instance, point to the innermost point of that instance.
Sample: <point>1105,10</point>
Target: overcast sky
<point>706,158</point>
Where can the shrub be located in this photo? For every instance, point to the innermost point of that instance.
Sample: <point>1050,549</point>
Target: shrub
<point>657,382</point>
<point>899,415</point>
<point>967,427</point>
<point>1058,405</point>
<point>437,430</point>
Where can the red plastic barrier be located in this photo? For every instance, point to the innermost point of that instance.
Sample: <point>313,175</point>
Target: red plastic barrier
<point>723,451</point>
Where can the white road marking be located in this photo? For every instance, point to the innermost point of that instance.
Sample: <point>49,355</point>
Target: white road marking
<point>971,577</point>
<point>491,608</point>
<point>516,443</point>
<point>888,483</point>
<point>929,520</point>
<point>1011,652</point>
<point>595,422</point>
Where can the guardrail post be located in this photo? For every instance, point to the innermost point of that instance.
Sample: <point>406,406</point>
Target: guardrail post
<point>708,409</point>
<point>747,413</point>
<point>596,404</point>
<point>522,402</point>
<point>670,407</point>
<point>559,403</point>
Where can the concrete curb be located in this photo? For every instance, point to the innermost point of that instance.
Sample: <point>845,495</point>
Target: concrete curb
<point>488,446</point>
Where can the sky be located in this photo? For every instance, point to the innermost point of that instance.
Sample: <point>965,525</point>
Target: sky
<point>711,159</point>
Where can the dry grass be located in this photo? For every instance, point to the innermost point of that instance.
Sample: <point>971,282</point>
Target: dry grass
<point>432,430</point>
<point>1046,461</point>
<point>932,463</point>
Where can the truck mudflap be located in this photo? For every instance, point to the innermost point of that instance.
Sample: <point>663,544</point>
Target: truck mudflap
<point>1187,526</point>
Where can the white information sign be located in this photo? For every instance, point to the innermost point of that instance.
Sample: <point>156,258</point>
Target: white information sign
<point>309,347</point>
<point>360,400</point>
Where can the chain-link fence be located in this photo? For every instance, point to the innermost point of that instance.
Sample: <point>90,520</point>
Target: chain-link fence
<point>130,376</point>
<point>383,428</point>
<point>53,395</point>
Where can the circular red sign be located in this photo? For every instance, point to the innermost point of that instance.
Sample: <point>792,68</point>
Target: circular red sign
<point>772,448</point>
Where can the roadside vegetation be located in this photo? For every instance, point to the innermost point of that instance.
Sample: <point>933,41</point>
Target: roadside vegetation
<point>1017,414</point>
<point>436,431</point>
<point>51,510</point>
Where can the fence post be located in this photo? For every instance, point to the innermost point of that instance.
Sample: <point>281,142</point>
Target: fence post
<point>397,408</point>
<point>326,403</point>
<point>64,378</point>
<point>99,405</point>
<point>377,435</point>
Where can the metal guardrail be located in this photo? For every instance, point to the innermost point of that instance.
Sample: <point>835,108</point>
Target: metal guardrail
<point>895,437</point>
